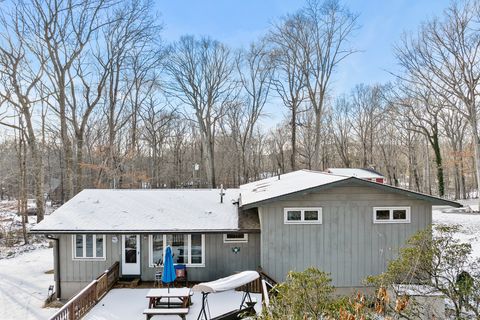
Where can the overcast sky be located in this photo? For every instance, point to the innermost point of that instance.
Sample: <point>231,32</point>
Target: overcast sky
<point>239,22</point>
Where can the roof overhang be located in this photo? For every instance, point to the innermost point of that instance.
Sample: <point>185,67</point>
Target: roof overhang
<point>140,231</point>
<point>353,180</point>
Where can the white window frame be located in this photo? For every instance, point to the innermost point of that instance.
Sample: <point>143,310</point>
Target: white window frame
<point>84,247</point>
<point>235,240</point>
<point>391,220</point>
<point>302,218</point>
<point>189,251</point>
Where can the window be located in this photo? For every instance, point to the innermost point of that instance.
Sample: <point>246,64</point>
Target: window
<point>294,215</point>
<point>179,244</point>
<point>187,249</point>
<point>156,245</point>
<point>235,237</point>
<point>391,215</point>
<point>88,246</point>
<point>303,215</point>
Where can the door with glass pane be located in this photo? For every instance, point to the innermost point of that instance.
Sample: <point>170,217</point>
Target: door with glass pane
<point>130,254</point>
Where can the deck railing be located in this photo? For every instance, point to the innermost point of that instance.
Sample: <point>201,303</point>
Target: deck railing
<point>81,303</point>
<point>263,285</point>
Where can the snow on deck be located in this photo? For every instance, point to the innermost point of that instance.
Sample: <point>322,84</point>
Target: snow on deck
<point>130,303</point>
<point>140,210</point>
<point>24,285</point>
<point>288,183</point>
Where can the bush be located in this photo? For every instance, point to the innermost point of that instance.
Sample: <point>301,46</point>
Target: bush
<point>304,295</point>
<point>437,259</point>
<point>309,295</point>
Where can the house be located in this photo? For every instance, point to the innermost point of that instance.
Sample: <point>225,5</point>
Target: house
<point>367,173</point>
<point>347,226</point>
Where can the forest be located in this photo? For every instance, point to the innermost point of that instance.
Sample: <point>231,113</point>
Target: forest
<point>92,97</point>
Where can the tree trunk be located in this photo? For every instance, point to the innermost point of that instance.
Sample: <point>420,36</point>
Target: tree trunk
<point>293,124</point>
<point>477,162</point>
<point>211,162</point>
<point>22,201</point>
<point>67,145</point>
<point>438,161</point>
<point>208,144</point>
<point>476,147</point>
<point>79,169</point>
<point>428,178</point>
<point>245,172</point>
<point>38,176</point>
<point>463,192</point>
<point>318,141</point>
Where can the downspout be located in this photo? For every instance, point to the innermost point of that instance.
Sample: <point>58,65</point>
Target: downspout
<point>58,289</point>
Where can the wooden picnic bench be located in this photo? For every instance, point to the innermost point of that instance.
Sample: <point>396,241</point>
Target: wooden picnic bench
<point>159,302</point>
<point>181,312</point>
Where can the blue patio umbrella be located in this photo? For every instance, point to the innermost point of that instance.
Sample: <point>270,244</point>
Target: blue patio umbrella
<point>168,275</point>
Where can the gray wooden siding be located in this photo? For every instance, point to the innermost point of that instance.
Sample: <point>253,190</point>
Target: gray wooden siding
<point>220,260</point>
<point>347,244</point>
<point>76,274</point>
<point>86,270</point>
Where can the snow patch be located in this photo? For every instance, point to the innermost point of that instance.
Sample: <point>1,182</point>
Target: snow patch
<point>24,285</point>
<point>469,223</point>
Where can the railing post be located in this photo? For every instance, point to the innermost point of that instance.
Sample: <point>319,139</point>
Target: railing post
<point>71,313</point>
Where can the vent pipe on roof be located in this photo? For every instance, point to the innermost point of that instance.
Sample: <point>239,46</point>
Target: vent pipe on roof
<point>221,193</point>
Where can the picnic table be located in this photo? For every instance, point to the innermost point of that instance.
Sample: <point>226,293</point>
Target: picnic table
<point>160,302</point>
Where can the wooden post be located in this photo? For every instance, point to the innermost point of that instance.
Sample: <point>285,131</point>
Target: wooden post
<point>71,314</point>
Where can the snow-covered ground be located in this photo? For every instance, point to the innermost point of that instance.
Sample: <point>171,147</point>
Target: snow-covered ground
<point>11,239</point>
<point>24,285</point>
<point>130,303</point>
<point>469,222</point>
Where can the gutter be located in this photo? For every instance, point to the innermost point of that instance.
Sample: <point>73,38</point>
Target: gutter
<point>58,288</point>
<point>144,231</point>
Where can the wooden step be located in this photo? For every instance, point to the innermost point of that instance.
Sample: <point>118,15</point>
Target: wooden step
<point>127,283</point>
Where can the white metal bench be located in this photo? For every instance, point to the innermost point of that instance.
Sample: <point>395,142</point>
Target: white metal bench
<point>181,312</point>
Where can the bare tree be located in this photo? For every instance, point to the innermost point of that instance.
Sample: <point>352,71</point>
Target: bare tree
<point>255,71</point>
<point>421,110</point>
<point>456,129</point>
<point>133,56</point>
<point>341,128</point>
<point>156,119</point>
<point>289,79</point>
<point>326,28</point>
<point>367,112</point>
<point>444,57</point>
<point>201,73</point>
<point>82,106</point>
<point>20,78</point>
<point>58,32</point>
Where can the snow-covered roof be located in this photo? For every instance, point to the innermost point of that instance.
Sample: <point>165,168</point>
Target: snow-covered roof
<point>287,183</point>
<point>355,172</point>
<point>189,210</point>
<point>299,181</point>
<point>145,210</point>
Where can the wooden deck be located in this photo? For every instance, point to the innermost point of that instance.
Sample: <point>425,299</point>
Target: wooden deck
<point>86,299</point>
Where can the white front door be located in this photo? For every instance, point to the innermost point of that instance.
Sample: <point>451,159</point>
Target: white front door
<point>131,254</point>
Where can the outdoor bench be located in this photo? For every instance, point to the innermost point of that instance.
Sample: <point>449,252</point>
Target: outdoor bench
<point>171,311</point>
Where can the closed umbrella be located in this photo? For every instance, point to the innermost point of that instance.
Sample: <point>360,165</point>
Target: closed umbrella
<point>168,275</point>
